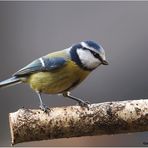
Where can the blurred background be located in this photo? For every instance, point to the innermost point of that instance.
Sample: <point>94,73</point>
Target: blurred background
<point>29,30</point>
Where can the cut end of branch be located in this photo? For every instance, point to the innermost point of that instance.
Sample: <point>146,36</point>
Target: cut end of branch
<point>11,130</point>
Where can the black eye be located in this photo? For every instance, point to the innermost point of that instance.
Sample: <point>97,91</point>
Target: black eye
<point>96,55</point>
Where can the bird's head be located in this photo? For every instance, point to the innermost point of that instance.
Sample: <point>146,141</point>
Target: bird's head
<point>88,55</point>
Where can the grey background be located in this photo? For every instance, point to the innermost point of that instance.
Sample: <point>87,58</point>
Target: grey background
<point>29,30</point>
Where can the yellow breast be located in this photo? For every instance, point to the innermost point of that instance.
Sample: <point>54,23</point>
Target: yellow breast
<point>58,80</point>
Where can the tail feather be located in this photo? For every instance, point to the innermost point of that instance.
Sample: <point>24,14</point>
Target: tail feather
<point>9,82</point>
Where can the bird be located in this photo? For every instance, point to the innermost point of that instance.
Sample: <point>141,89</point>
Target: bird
<point>61,71</point>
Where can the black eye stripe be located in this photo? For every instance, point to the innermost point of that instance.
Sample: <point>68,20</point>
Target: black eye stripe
<point>85,48</point>
<point>99,57</point>
<point>96,55</point>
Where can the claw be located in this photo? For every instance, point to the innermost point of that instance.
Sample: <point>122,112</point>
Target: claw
<point>44,108</point>
<point>84,104</point>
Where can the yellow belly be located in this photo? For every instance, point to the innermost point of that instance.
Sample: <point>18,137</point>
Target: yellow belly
<point>58,81</point>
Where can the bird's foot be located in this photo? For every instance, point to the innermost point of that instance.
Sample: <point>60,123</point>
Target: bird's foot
<point>84,104</point>
<point>44,108</point>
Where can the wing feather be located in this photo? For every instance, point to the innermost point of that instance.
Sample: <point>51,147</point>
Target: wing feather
<point>42,64</point>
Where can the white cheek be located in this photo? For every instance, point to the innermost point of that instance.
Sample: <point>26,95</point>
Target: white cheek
<point>88,59</point>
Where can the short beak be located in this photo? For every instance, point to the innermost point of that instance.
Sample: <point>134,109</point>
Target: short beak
<point>104,62</point>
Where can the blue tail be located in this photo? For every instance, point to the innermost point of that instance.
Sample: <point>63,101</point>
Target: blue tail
<point>9,82</point>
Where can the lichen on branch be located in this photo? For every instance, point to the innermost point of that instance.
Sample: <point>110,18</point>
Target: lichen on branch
<point>75,121</point>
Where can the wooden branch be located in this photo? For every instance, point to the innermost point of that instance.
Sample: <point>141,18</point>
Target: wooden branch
<point>75,121</point>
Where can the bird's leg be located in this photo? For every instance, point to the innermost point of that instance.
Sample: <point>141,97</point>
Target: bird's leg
<point>42,106</point>
<point>80,101</point>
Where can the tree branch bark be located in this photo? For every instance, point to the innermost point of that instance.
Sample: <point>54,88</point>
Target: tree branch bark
<point>75,121</point>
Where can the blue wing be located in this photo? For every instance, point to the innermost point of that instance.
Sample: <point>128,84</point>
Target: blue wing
<point>42,64</point>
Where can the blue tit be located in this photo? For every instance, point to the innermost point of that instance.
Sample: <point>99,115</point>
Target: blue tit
<point>59,72</point>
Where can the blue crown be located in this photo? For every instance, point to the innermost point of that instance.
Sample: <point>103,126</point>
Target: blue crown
<point>93,44</point>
